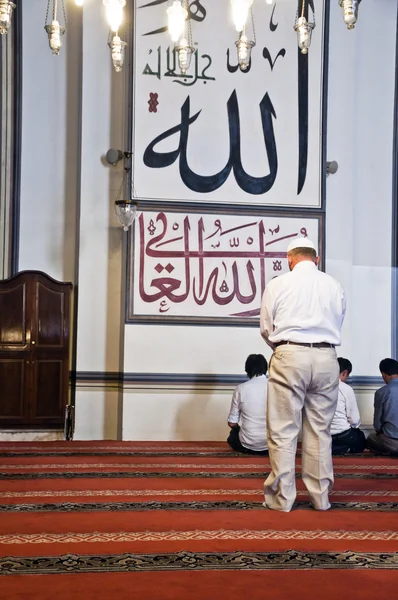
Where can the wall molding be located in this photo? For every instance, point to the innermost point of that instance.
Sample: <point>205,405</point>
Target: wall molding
<point>119,379</point>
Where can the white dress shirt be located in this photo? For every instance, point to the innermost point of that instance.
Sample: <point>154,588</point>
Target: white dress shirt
<point>347,413</point>
<point>304,305</point>
<point>248,406</point>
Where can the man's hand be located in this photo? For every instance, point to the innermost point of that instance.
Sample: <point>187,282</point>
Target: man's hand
<point>265,336</point>
<point>232,425</point>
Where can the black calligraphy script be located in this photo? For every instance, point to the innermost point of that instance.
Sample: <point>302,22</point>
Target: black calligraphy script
<point>196,12</point>
<point>208,183</point>
<point>302,75</point>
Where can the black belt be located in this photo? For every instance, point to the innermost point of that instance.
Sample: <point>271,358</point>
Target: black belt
<point>307,345</point>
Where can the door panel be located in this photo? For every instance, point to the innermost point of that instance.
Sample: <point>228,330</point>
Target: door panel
<point>14,386</point>
<point>49,318</point>
<point>49,390</point>
<point>13,318</point>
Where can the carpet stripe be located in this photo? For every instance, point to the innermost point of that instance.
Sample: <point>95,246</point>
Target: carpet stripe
<point>181,492</point>
<point>177,506</point>
<point>174,475</point>
<point>142,465</point>
<point>221,534</point>
<point>196,561</point>
<point>163,453</point>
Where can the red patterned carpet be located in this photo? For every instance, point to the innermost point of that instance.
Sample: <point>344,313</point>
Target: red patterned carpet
<point>157,521</point>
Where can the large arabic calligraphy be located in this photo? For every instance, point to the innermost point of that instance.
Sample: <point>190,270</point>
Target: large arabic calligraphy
<point>209,265</point>
<point>220,134</point>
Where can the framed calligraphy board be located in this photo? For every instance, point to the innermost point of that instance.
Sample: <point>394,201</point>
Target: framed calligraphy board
<point>209,268</point>
<point>219,134</point>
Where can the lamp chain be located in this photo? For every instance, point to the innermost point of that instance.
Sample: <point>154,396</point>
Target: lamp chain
<point>122,188</point>
<point>47,11</point>
<point>310,4</point>
<point>54,11</point>
<point>189,31</point>
<point>254,29</point>
<point>64,11</point>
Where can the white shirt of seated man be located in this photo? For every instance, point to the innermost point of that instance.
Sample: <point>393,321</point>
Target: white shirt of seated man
<point>248,407</point>
<point>347,413</point>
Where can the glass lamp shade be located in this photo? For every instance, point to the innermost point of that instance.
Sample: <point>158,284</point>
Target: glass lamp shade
<point>6,8</point>
<point>54,32</point>
<point>240,12</point>
<point>244,47</point>
<point>114,12</point>
<point>304,32</point>
<point>126,211</point>
<point>185,52</point>
<point>118,48</point>
<point>350,12</point>
<point>176,17</point>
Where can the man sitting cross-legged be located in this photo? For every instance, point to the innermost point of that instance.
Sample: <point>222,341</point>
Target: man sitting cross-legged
<point>346,437</point>
<point>385,420</point>
<point>249,404</point>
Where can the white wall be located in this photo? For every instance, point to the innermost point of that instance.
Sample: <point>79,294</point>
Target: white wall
<point>44,137</point>
<point>360,134</point>
<point>359,196</point>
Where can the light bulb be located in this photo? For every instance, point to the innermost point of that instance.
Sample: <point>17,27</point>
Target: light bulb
<point>185,52</point>
<point>244,47</point>
<point>118,47</point>
<point>126,211</point>
<point>304,33</point>
<point>176,17</point>
<point>79,2</point>
<point>350,12</point>
<point>114,13</point>
<point>54,32</point>
<point>240,12</point>
<point>269,1</point>
<point>6,8</point>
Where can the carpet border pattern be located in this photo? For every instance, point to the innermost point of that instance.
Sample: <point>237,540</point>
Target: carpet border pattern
<point>153,505</point>
<point>196,561</point>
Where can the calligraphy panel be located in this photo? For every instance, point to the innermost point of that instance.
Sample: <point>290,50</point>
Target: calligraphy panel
<point>213,268</point>
<point>219,134</point>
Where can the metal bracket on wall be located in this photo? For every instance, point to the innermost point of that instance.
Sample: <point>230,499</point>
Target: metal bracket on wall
<point>331,167</point>
<point>113,156</point>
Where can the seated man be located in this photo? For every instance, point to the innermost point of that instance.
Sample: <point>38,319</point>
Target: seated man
<point>385,420</point>
<point>249,405</point>
<point>346,437</point>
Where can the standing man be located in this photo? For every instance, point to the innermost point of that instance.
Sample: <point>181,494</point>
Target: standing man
<point>302,313</point>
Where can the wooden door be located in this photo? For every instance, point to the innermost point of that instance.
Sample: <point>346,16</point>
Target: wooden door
<point>34,351</point>
<point>49,352</point>
<point>15,314</point>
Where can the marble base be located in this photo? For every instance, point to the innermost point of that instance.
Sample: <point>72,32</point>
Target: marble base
<point>31,436</point>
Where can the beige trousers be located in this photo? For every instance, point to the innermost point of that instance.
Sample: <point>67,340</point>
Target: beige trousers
<point>302,389</point>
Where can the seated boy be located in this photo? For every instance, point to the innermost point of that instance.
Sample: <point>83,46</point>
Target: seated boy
<point>346,437</point>
<point>249,405</point>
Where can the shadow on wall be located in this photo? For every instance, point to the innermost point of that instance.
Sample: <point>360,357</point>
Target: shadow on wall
<point>202,417</point>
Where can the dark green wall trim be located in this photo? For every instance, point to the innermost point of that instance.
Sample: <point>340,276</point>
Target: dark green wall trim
<point>17,136</point>
<point>113,377</point>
